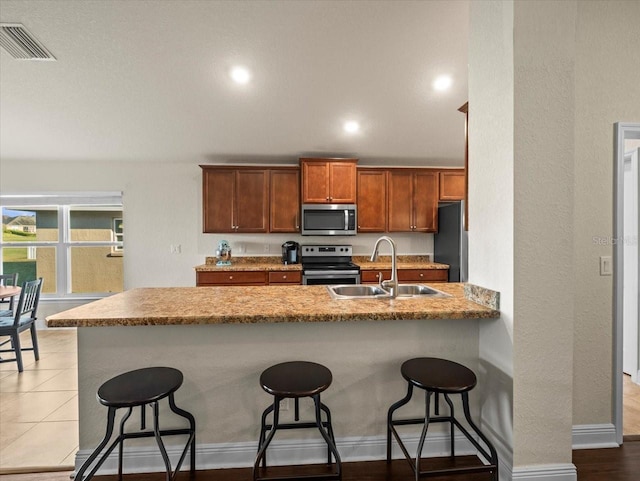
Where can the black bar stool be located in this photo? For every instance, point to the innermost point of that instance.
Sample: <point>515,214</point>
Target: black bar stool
<point>294,380</point>
<point>139,388</point>
<point>439,376</point>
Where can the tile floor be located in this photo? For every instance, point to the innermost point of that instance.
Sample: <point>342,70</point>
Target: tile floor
<point>39,407</point>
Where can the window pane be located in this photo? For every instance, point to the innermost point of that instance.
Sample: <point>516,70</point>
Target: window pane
<point>31,263</point>
<point>95,269</point>
<point>29,224</point>
<point>91,224</point>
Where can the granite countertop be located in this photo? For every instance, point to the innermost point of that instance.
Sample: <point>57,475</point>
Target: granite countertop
<point>274,263</point>
<point>264,304</point>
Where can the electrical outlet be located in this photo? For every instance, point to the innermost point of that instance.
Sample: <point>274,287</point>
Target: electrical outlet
<point>175,249</point>
<point>266,248</point>
<point>606,266</point>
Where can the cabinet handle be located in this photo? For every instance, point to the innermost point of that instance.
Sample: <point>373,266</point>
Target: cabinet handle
<point>328,198</point>
<point>421,274</point>
<point>230,277</point>
<point>284,276</point>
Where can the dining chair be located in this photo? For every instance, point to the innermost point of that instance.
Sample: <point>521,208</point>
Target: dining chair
<point>8,280</point>
<point>24,318</point>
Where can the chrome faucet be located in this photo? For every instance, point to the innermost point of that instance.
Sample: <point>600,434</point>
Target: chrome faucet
<point>390,285</point>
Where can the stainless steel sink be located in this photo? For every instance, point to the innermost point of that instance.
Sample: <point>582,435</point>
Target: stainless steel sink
<point>364,291</point>
<point>417,290</point>
<point>356,291</point>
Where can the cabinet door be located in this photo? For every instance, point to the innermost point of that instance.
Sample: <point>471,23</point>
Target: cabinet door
<point>284,193</point>
<point>400,201</point>
<point>423,275</point>
<point>372,200</point>
<point>252,200</point>
<point>368,277</point>
<point>425,196</point>
<point>315,182</point>
<point>452,185</point>
<point>231,278</point>
<point>285,277</point>
<point>342,184</point>
<point>218,191</point>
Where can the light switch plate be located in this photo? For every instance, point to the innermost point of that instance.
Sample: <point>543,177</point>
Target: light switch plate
<point>606,266</point>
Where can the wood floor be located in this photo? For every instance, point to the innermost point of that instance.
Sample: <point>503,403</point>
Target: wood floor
<point>615,464</point>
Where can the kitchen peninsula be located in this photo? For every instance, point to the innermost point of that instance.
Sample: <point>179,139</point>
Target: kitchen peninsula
<point>222,338</point>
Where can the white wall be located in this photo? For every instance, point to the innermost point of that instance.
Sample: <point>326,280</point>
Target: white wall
<point>163,207</point>
<point>491,199</point>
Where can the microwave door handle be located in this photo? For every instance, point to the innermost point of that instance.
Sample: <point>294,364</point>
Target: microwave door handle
<point>346,219</point>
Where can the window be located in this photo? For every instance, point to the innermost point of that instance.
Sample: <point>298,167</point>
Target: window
<point>74,242</point>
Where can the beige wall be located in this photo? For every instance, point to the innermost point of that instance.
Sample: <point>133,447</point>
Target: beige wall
<point>606,92</point>
<point>571,81</point>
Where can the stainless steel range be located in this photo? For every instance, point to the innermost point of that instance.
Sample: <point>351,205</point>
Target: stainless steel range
<point>328,264</point>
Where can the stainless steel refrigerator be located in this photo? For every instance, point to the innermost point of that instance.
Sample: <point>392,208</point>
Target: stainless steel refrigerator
<point>450,243</point>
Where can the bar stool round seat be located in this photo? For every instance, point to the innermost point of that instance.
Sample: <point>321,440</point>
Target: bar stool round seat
<point>296,380</point>
<point>139,388</point>
<point>142,386</point>
<point>440,377</point>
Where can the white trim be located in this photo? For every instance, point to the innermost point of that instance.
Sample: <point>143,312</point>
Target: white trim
<point>551,472</point>
<point>622,131</point>
<point>594,436</point>
<point>147,459</point>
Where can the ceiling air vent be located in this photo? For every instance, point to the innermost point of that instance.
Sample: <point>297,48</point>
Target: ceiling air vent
<point>20,44</point>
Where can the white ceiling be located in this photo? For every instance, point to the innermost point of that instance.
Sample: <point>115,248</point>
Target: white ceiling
<point>148,80</point>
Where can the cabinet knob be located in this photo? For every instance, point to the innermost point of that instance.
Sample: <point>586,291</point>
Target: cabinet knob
<point>230,277</point>
<point>284,276</point>
<point>328,198</point>
<point>421,274</point>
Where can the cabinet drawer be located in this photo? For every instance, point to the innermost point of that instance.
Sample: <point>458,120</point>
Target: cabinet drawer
<point>423,275</point>
<point>244,278</point>
<point>286,277</point>
<point>373,276</point>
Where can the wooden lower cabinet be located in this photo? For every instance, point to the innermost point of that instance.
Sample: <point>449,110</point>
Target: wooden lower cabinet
<point>406,275</point>
<point>285,277</point>
<point>229,278</point>
<point>247,278</point>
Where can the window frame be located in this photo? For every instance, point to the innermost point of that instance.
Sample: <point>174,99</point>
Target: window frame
<point>65,204</point>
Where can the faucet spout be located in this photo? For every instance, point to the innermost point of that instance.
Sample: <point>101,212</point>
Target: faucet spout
<point>392,284</point>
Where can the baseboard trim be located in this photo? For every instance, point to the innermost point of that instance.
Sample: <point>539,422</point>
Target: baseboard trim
<point>594,436</point>
<point>147,459</point>
<point>551,472</point>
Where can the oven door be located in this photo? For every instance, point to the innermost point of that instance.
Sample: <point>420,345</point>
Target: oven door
<point>325,278</point>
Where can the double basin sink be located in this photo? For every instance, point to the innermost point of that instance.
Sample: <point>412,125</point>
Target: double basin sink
<point>365,291</point>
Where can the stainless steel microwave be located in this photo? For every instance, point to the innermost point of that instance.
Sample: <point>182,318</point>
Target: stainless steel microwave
<point>329,219</point>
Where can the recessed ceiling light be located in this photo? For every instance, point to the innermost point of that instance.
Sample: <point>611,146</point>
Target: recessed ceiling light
<point>351,126</point>
<point>442,83</point>
<point>240,75</point>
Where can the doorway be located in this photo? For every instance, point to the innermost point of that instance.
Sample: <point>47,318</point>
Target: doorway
<point>626,285</point>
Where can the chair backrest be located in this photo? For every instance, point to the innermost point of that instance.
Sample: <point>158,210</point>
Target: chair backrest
<point>28,303</point>
<point>8,280</point>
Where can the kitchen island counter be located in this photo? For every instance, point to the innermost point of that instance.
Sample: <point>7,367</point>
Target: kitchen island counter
<point>261,304</point>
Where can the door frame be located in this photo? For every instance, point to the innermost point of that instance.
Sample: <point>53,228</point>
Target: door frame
<point>622,132</point>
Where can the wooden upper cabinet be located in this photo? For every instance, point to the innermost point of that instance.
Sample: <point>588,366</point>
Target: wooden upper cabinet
<point>400,201</point>
<point>372,200</point>
<point>452,185</point>
<point>218,192</point>
<point>235,199</point>
<point>413,200</point>
<point>425,201</point>
<point>284,201</point>
<point>328,181</point>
